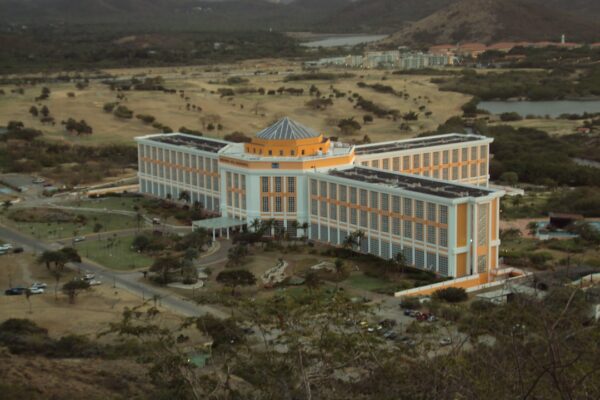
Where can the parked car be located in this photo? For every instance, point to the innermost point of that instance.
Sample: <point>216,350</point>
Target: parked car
<point>79,239</point>
<point>94,282</point>
<point>36,290</point>
<point>445,341</point>
<point>40,285</point>
<point>14,291</point>
<point>39,180</point>
<point>156,221</point>
<point>18,250</point>
<point>88,276</point>
<point>390,335</point>
<point>387,323</point>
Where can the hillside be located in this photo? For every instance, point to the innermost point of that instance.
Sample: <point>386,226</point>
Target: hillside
<point>382,15</point>
<point>496,20</point>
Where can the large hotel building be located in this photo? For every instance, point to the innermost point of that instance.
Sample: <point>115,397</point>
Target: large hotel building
<point>427,198</point>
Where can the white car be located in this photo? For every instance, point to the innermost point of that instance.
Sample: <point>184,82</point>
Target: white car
<point>79,239</point>
<point>88,276</point>
<point>94,282</point>
<point>445,341</point>
<point>36,290</point>
<point>6,246</point>
<point>40,285</point>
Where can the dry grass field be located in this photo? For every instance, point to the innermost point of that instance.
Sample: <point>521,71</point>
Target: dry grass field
<point>92,312</point>
<point>247,113</point>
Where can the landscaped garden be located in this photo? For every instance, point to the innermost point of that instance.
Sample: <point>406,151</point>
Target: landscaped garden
<point>115,253</point>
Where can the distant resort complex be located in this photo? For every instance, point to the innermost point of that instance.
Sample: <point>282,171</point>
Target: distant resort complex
<point>436,56</point>
<point>427,198</point>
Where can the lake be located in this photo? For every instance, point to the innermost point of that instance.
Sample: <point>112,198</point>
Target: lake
<point>553,108</point>
<point>343,40</point>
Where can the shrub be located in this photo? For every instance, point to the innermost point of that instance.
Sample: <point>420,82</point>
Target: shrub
<point>123,112</point>
<point>411,303</point>
<point>451,294</point>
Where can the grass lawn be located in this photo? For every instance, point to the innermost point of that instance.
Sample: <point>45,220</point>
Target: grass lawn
<point>363,282</point>
<point>58,230</point>
<point>114,254</point>
<point>109,203</point>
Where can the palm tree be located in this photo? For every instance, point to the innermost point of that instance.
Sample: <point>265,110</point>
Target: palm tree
<point>339,266</point>
<point>256,225</point>
<point>305,231</point>
<point>359,235</point>
<point>295,225</point>
<point>312,280</point>
<point>184,195</point>
<point>349,242</point>
<point>400,261</point>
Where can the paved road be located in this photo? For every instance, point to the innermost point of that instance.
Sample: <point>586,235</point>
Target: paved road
<point>127,281</point>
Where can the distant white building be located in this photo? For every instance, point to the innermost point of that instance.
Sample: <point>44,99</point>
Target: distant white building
<point>386,59</point>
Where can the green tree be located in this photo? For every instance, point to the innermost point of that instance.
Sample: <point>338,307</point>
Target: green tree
<point>235,278</point>
<point>184,195</point>
<point>74,287</point>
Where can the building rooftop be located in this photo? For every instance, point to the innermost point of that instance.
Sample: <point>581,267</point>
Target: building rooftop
<point>196,142</point>
<point>286,129</point>
<point>409,144</point>
<point>411,183</point>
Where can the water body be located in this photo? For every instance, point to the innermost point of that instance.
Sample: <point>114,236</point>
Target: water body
<point>553,108</point>
<point>343,40</point>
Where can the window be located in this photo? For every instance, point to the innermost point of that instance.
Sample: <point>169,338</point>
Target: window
<point>443,214</point>
<point>396,164</point>
<point>333,191</point>
<point>386,164</point>
<point>385,223</point>
<point>385,202</point>
<point>445,159</point>
<point>374,221</point>
<point>431,261</point>
<point>280,152</point>
<point>444,237</point>
<point>323,209</point>
<point>419,259</point>
<point>431,239</point>
<point>275,165</point>
<point>291,204</point>
<point>228,179</point>
<point>419,231</point>
<point>363,197</point>
<point>236,180</point>
<point>270,152</point>
<point>482,225</point>
<point>408,207</point>
<point>363,219</point>
<point>443,265</point>
<point>483,151</point>
<point>406,163</point>
<point>343,194</point>
<point>426,160</point>
<point>396,226</point>
<point>464,171</point>
<point>473,170</point>
<point>277,204</point>
<point>454,172</point>
<point>408,229</point>
<point>419,211</point>
<point>374,200</point>
<point>431,212</point>
<point>332,211</point>
<point>291,182</point>
<point>473,153</point>
<point>416,161</point>
<point>278,184</point>
<point>436,159</point>
<point>464,154</point>
<point>455,155</point>
<point>343,214</point>
<point>323,189</point>
<point>396,204</point>
<point>313,187</point>
<point>353,216</point>
<point>375,163</point>
<point>265,204</point>
<point>482,169</point>
<point>445,174</point>
<point>314,207</point>
<point>353,196</point>
<point>265,184</point>
<point>243,182</point>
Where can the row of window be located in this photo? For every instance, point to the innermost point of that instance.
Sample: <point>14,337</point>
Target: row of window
<point>237,200</point>
<point>276,204</point>
<point>280,153</point>
<point>451,173</point>
<point>381,223</point>
<point>276,184</point>
<point>414,256</point>
<point>434,159</point>
<point>384,202</point>
<point>161,190</point>
<point>208,164</point>
<point>235,180</point>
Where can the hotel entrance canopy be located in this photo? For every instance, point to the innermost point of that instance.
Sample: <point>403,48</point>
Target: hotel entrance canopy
<point>218,223</point>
